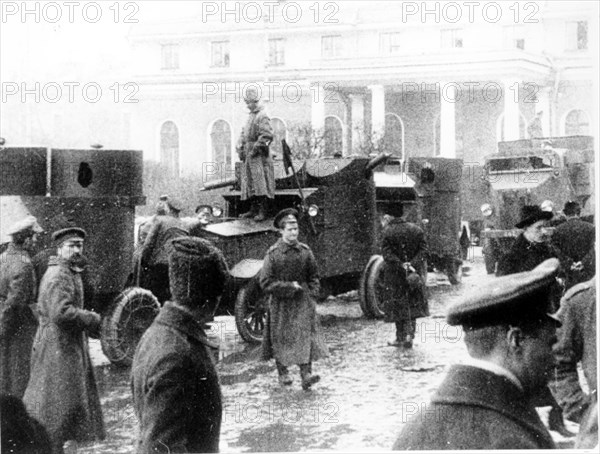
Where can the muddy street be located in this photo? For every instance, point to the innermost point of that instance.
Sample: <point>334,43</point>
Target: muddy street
<point>367,389</point>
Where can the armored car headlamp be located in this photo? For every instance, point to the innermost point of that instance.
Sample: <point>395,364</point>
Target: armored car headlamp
<point>313,210</point>
<point>486,209</point>
<point>217,210</point>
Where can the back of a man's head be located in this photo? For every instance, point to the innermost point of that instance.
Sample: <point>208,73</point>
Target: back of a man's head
<point>197,273</point>
<point>572,208</point>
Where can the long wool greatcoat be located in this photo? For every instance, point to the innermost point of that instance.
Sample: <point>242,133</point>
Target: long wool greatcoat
<point>292,333</point>
<point>403,242</point>
<point>576,343</point>
<point>176,391</point>
<point>257,174</point>
<point>474,409</point>
<point>62,391</point>
<point>18,322</point>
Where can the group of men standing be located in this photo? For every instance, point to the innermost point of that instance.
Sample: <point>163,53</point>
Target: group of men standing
<point>521,356</point>
<point>45,356</point>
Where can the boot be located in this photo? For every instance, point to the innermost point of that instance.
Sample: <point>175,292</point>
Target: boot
<point>261,205</point>
<point>557,424</point>
<point>284,376</point>
<point>398,342</point>
<point>308,379</point>
<point>253,210</point>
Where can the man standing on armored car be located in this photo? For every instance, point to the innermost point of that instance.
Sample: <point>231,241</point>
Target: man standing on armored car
<point>257,174</point>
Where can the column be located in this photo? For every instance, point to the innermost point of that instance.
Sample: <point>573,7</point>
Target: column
<point>377,113</point>
<point>543,105</point>
<point>511,109</point>
<point>448,122</point>
<point>358,121</point>
<point>317,117</point>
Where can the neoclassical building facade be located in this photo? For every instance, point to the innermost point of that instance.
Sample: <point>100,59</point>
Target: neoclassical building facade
<point>441,81</point>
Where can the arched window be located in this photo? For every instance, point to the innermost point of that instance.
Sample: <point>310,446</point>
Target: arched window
<point>500,127</point>
<point>279,133</point>
<point>220,139</point>
<point>577,123</point>
<point>169,147</point>
<point>393,139</point>
<point>333,136</point>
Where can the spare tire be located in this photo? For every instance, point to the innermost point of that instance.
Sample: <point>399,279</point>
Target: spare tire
<point>132,312</point>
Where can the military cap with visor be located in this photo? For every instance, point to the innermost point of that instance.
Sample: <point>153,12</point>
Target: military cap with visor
<point>204,208</point>
<point>287,215</point>
<point>62,235</point>
<point>515,298</point>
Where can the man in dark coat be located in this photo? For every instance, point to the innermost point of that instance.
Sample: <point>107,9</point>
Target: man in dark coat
<point>486,403</point>
<point>176,391</point>
<point>489,246</point>
<point>290,278</point>
<point>576,343</point>
<point>404,251</point>
<point>20,432</point>
<point>575,240</point>
<point>62,392</point>
<point>531,248</point>
<point>257,174</point>
<point>18,322</point>
<point>156,249</point>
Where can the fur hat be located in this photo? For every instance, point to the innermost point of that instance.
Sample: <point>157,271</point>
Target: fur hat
<point>197,272</point>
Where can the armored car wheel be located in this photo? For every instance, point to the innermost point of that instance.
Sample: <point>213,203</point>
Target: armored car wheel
<point>251,312</point>
<point>374,287</point>
<point>132,312</point>
<point>362,288</point>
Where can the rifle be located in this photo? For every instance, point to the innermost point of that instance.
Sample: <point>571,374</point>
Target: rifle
<point>287,164</point>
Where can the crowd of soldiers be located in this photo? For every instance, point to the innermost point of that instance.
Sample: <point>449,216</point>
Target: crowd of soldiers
<point>524,337</point>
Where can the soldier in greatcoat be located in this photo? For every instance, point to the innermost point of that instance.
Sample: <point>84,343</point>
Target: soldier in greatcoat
<point>18,322</point>
<point>62,392</point>
<point>575,240</point>
<point>485,403</point>
<point>176,391</point>
<point>157,246</point>
<point>257,173</point>
<point>576,344</point>
<point>404,250</point>
<point>291,280</point>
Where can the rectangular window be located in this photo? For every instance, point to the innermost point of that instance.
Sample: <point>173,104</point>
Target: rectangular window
<point>170,56</point>
<point>331,46</point>
<point>390,43</point>
<point>276,52</point>
<point>219,54</point>
<point>514,37</point>
<point>451,38</point>
<point>577,35</point>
